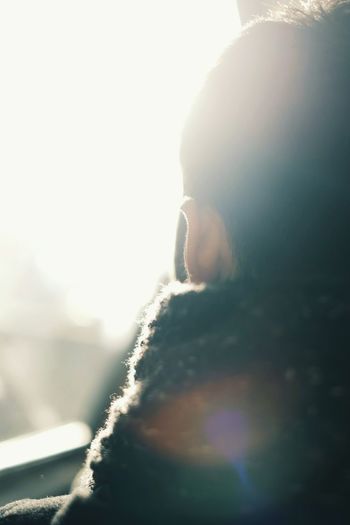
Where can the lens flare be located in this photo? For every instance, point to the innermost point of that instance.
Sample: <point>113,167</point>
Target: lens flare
<point>221,421</point>
<point>234,429</point>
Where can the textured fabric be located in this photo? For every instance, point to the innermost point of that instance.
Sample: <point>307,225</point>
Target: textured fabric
<point>31,512</point>
<point>236,411</point>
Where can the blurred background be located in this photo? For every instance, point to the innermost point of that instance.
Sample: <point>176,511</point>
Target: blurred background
<point>93,95</point>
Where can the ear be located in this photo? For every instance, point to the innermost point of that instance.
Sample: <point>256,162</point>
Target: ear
<point>208,255</point>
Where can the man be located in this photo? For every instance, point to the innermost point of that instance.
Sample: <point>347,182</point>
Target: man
<point>237,402</point>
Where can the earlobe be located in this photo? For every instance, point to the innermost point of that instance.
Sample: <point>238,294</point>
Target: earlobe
<point>207,252</point>
<point>190,210</point>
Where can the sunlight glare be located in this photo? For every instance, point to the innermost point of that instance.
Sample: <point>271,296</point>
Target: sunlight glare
<point>92,108</point>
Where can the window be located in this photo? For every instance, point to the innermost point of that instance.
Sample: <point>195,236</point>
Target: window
<point>93,97</point>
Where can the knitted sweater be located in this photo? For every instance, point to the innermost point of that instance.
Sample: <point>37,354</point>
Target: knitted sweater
<point>236,411</point>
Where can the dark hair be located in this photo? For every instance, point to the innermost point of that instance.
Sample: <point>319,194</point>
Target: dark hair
<point>268,141</point>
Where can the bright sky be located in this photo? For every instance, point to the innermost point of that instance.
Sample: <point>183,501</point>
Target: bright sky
<point>93,95</point>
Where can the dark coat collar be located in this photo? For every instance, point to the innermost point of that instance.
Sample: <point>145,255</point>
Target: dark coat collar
<point>288,345</point>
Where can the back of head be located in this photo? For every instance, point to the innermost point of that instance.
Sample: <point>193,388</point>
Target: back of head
<point>267,142</point>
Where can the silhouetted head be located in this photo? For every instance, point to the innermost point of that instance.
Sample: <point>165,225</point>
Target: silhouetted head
<point>266,151</point>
